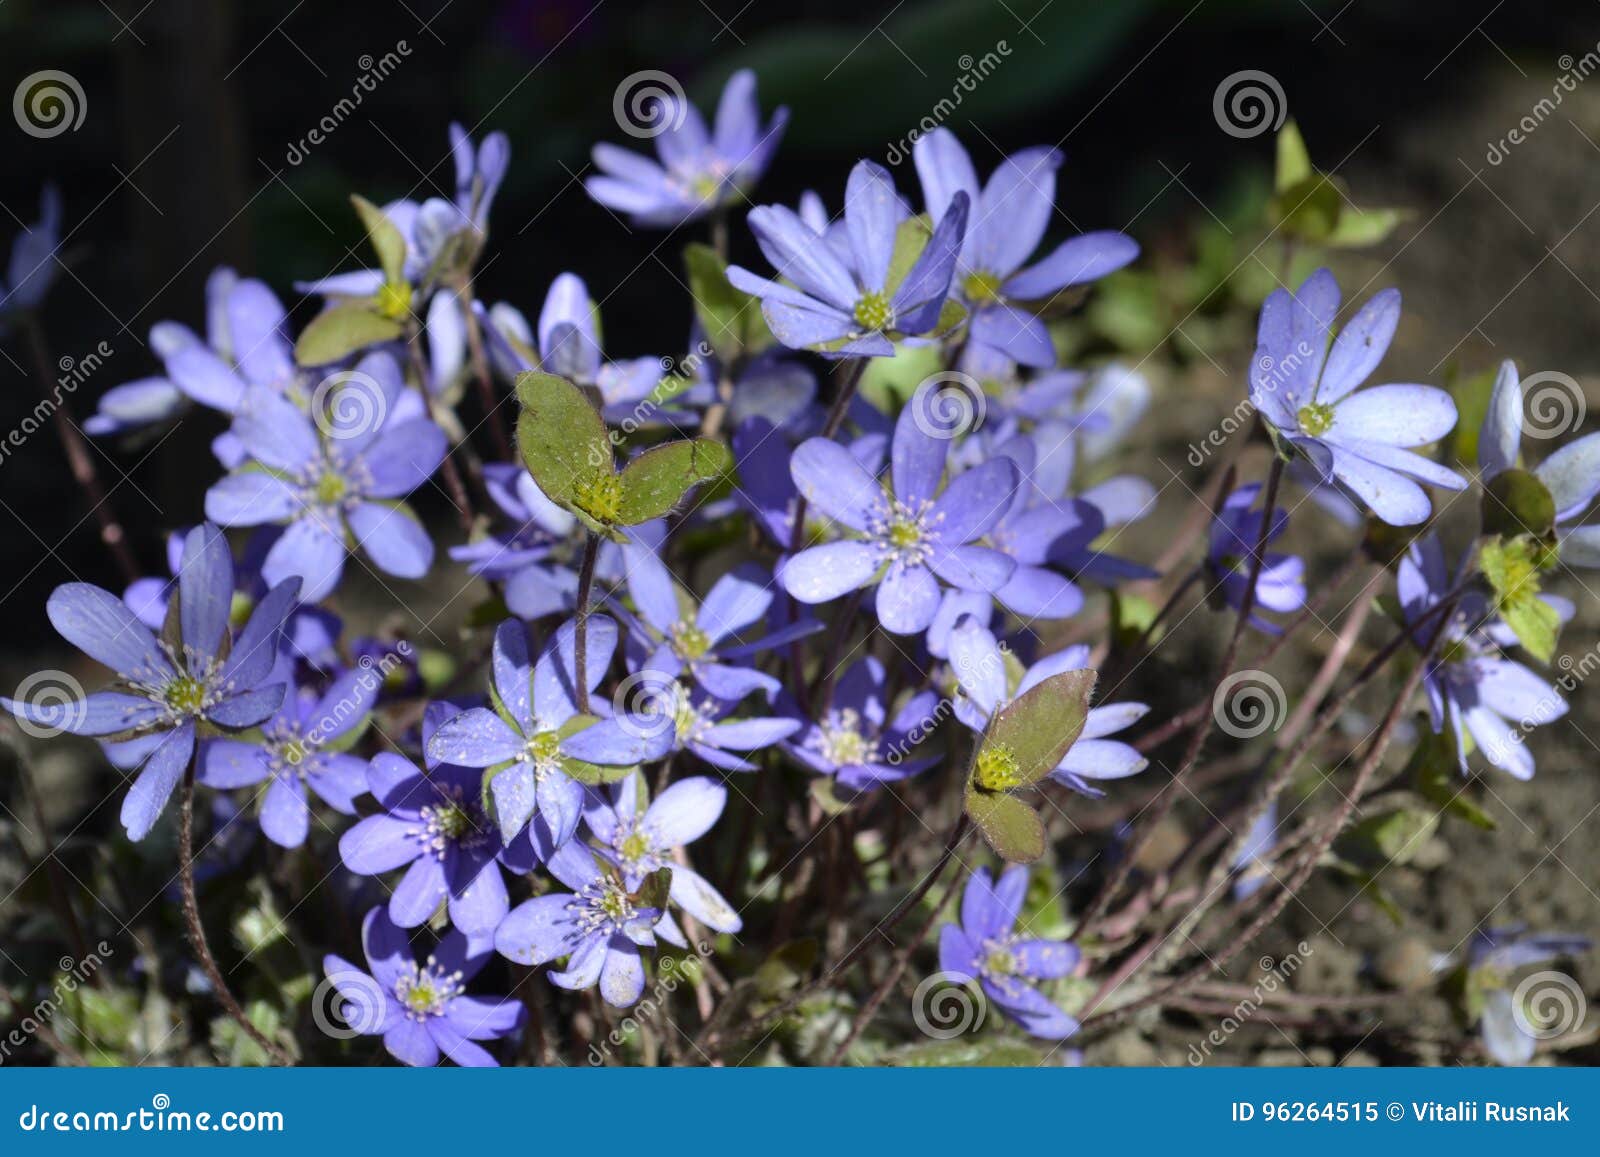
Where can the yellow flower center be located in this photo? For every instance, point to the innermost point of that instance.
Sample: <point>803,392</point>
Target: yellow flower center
<point>873,311</point>
<point>997,768</point>
<point>185,695</point>
<point>330,489</point>
<point>634,847</point>
<point>981,287</point>
<point>394,300</point>
<point>689,641</point>
<point>600,497</point>
<point>1315,418</point>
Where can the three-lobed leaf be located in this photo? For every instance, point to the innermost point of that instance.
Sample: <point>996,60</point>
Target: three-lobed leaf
<point>656,481</point>
<point>1035,729</point>
<point>1012,828</point>
<point>563,440</point>
<point>336,333</point>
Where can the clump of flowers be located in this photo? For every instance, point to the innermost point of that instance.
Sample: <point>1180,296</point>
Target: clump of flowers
<point>749,667</point>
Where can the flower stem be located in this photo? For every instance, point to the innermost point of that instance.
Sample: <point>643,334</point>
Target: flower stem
<point>591,551</point>
<point>79,460</point>
<point>480,372</point>
<point>197,932</point>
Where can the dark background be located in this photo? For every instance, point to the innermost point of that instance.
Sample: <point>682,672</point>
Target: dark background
<point>192,105</point>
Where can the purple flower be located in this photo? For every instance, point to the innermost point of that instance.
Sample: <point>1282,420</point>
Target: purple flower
<point>699,170</point>
<point>599,926</point>
<point>32,269</point>
<point>669,708</point>
<point>246,345</point>
<point>302,745</point>
<point>1493,956</point>
<point>979,663</point>
<point>1483,697</point>
<point>913,534</point>
<point>535,736</point>
<point>1308,394</point>
<point>421,1010</point>
<point>433,825</point>
<point>848,308</point>
<point>986,947</point>
<point>440,235</point>
<point>166,689</point>
<point>1571,474</point>
<point>672,637</point>
<point>1009,218</point>
<point>1235,530</point>
<point>641,840</point>
<point>334,478</point>
<point>855,741</point>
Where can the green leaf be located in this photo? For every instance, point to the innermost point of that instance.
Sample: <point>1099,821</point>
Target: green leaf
<point>1517,502</point>
<point>1358,227</point>
<point>657,480</point>
<point>1294,162</point>
<point>1029,735</point>
<point>565,446</point>
<point>1436,773</point>
<point>1471,393</point>
<point>1391,837</point>
<point>1012,828</point>
<point>1309,209</point>
<point>595,774</point>
<point>989,1052</point>
<point>387,241</point>
<point>1511,566</point>
<point>335,334</point>
<point>731,318</point>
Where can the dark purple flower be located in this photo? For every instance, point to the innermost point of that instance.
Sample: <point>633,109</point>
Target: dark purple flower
<point>335,478</point>
<point>167,688</point>
<point>433,825</point>
<point>848,308</point>
<point>1307,392</point>
<point>699,170</point>
<point>1009,217</point>
<point>641,840</point>
<point>913,535</point>
<point>421,1010</point>
<point>1235,530</point>
<point>303,745</point>
<point>856,742</point>
<point>599,926</point>
<point>534,733</point>
<point>986,947</point>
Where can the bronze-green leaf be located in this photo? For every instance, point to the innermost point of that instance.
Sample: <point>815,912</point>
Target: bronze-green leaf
<point>565,446</point>
<point>657,480</point>
<point>1027,737</point>
<point>1012,828</point>
<point>731,318</point>
<point>335,334</point>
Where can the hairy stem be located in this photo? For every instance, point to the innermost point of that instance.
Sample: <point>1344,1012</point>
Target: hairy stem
<point>197,932</point>
<point>591,551</point>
